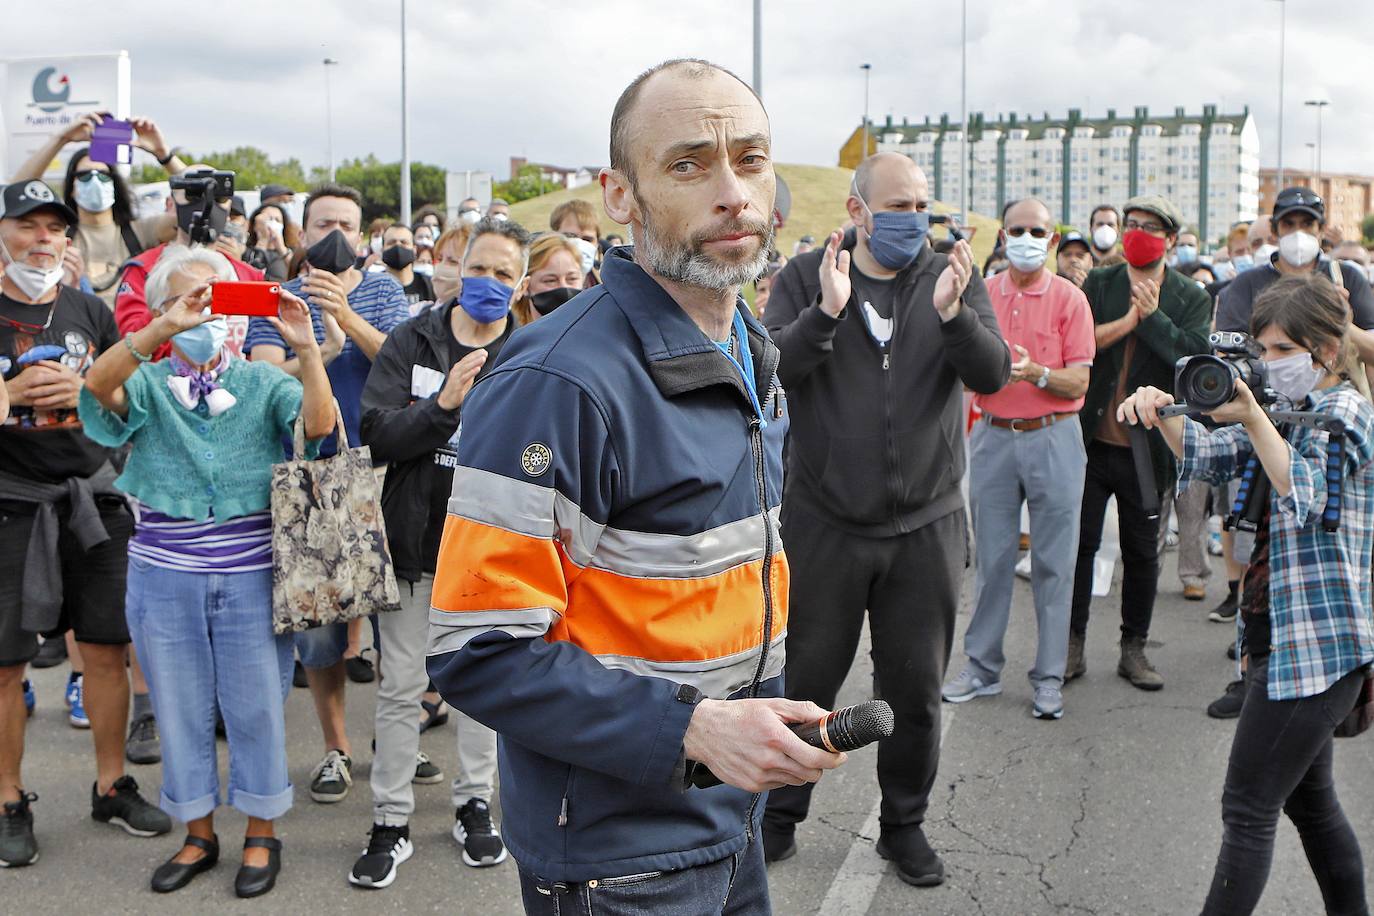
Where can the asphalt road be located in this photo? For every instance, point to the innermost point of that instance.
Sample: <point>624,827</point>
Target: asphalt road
<point>1113,810</point>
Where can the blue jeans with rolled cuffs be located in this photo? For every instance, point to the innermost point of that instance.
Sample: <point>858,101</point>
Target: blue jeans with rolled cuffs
<point>205,642</point>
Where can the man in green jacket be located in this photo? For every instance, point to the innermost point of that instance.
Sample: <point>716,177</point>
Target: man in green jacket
<point>1147,317</point>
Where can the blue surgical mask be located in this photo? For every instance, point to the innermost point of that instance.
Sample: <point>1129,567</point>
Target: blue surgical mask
<point>94,194</point>
<point>1242,262</point>
<point>897,235</point>
<point>203,342</point>
<point>1186,254</point>
<point>485,299</point>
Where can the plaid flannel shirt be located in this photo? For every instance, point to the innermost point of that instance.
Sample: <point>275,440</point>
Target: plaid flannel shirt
<point>1319,588</point>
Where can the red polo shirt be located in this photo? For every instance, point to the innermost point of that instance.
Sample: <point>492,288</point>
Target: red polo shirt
<point>1052,319</point>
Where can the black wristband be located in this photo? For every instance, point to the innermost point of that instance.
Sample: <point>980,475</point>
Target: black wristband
<point>171,154</point>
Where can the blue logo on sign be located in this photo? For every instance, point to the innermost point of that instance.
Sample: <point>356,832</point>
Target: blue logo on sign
<point>44,96</point>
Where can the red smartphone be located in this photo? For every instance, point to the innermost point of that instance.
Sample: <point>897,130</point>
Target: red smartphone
<point>245,297</point>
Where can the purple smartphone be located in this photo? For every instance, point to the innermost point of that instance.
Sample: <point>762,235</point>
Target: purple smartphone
<point>110,141</point>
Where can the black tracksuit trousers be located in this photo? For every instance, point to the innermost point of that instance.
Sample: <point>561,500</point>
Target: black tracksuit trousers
<point>909,585</point>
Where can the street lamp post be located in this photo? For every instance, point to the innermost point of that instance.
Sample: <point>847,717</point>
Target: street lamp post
<point>1283,27</point>
<point>1318,104</point>
<point>405,127</point>
<point>965,167</point>
<point>868,71</point>
<point>329,116</point>
<point>1312,150</point>
<point>758,48</point>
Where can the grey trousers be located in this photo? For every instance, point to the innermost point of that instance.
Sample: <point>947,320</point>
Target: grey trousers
<point>405,638</point>
<point>1045,469</point>
<point>1191,508</point>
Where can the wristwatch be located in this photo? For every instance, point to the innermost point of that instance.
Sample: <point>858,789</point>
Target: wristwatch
<point>1044,380</point>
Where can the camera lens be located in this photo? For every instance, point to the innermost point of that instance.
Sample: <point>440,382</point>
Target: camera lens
<point>1208,382</point>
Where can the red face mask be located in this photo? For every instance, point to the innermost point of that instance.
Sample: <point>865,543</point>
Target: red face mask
<point>1142,249</point>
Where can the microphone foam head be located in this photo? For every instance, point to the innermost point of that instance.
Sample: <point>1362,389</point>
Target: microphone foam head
<point>872,720</point>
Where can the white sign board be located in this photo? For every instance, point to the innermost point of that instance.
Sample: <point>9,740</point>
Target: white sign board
<point>42,95</point>
<point>459,186</point>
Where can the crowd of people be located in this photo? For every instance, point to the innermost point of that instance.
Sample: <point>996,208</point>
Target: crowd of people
<point>599,543</point>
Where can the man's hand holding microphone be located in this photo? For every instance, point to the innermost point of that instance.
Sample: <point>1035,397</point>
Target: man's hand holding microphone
<point>747,744</point>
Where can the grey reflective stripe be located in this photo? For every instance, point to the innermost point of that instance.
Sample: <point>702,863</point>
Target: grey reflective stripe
<point>449,632</point>
<point>524,508</point>
<point>670,556</point>
<point>717,678</point>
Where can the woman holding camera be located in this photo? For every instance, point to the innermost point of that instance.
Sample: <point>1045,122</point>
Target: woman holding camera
<point>1309,629</point>
<point>205,429</point>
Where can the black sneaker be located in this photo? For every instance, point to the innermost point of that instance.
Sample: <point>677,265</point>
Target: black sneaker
<point>1228,705</point>
<point>917,863</point>
<point>332,778</point>
<point>1231,652</point>
<point>143,745</point>
<point>51,653</point>
<point>427,772</point>
<point>129,810</point>
<point>360,670</point>
<point>18,846</point>
<point>1224,612</point>
<point>298,678</point>
<point>386,850</point>
<point>473,828</point>
<point>778,844</point>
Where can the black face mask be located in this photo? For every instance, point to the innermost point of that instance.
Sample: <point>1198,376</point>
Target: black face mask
<point>398,256</point>
<point>550,299</point>
<point>331,253</point>
<point>219,217</point>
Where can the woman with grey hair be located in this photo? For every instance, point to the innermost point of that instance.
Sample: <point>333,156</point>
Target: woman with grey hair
<point>205,428</point>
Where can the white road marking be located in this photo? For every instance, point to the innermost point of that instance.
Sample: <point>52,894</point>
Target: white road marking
<point>856,883</point>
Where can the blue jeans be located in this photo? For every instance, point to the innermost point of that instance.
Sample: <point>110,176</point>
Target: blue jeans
<point>205,642</point>
<point>734,886</point>
<point>322,647</point>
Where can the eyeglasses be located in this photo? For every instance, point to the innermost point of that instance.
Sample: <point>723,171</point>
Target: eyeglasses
<point>1036,232</point>
<point>85,174</point>
<point>1152,228</point>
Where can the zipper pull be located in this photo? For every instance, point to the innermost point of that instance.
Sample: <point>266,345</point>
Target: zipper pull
<point>563,813</point>
<point>779,404</point>
<point>886,359</point>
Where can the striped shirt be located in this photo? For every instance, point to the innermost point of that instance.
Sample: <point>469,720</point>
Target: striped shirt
<point>241,544</point>
<point>1319,588</point>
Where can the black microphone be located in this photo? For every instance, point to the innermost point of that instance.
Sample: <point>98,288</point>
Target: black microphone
<point>844,729</point>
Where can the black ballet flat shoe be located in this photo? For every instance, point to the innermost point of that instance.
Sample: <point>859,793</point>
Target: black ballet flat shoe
<point>173,876</point>
<point>254,882</point>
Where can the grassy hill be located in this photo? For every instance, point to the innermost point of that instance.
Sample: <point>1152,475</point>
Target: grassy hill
<point>818,196</point>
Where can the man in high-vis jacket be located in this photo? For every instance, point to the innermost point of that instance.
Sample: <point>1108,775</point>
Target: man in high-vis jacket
<point>611,589</point>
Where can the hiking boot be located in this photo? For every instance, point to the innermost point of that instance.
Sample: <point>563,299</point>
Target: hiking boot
<point>123,806</point>
<point>473,827</point>
<point>51,653</point>
<point>778,844</point>
<point>917,863</point>
<point>1135,667</point>
<point>143,745</point>
<point>1075,667</point>
<point>1228,705</point>
<point>968,685</point>
<point>331,778</point>
<point>18,846</point>
<point>386,849</point>
<point>1194,592</point>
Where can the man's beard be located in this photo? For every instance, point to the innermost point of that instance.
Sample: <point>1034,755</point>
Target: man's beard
<point>689,264</point>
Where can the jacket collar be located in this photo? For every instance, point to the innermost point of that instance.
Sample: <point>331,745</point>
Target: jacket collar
<point>680,357</point>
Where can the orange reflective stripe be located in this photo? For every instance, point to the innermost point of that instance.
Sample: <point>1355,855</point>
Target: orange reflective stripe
<point>482,568</point>
<point>672,620</point>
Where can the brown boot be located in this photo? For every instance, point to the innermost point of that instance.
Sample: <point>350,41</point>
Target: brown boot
<point>1135,667</point>
<point>1075,667</point>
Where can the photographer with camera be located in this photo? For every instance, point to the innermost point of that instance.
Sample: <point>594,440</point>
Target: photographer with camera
<point>1147,316</point>
<point>1306,603</point>
<point>190,190</point>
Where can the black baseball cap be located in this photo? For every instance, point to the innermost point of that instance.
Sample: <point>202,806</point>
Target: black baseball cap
<point>1068,238</point>
<point>236,207</point>
<point>1300,200</point>
<point>23,197</point>
<point>274,190</point>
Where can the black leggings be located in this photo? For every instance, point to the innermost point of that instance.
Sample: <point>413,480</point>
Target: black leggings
<point>1281,761</point>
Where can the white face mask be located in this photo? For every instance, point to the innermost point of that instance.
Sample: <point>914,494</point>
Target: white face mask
<point>1265,253</point>
<point>275,227</point>
<point>471,217</point>
<point>1299,248</point>
<point>1104,237</point>
<point>1294,376</point>
<point>424,270</point>
<point>588,252</point>
<point>93,194</point>
<point>34,282</point>
<point>1027,253</point>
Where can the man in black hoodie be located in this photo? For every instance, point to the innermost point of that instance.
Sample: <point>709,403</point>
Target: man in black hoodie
<point>875,360</point>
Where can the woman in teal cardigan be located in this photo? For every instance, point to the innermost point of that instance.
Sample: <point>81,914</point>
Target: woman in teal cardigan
<point>205,429</point>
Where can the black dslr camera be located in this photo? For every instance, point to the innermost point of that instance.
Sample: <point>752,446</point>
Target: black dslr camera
<point>1206,382</point>
<point>201,189</point>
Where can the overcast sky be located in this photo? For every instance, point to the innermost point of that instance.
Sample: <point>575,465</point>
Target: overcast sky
<point>538,78</point>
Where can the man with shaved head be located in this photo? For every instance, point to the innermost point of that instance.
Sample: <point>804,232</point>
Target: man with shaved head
<point>1028,448</point>
<point>879,337</point>
<point>611,590</point>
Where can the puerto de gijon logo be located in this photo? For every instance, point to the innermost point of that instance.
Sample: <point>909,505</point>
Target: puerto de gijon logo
<point>48,99</point>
